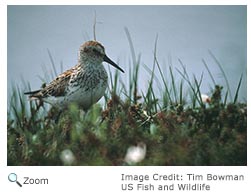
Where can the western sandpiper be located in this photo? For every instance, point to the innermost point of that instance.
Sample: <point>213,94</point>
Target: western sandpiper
<point>84,84</point>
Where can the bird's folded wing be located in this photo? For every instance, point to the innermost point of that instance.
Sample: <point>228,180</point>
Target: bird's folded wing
<point>58,87</point>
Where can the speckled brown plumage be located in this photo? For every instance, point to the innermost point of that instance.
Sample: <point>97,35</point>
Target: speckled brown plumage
<point>83,84</point>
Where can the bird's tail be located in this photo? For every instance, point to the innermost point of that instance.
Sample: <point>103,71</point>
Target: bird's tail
<point>31,92</point>
<point>33,95</point>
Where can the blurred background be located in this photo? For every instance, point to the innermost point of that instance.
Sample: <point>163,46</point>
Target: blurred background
<point>184,32</point>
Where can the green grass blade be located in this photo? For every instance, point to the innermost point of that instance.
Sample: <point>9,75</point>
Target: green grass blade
<point>198,93</point>
<point>131,45</point>
<point>52,63</point>
<point>237,90</point>
<point>225,99</point>
<point>173,84</point>
<point>181,93</point>
<point>209,72</point>
<point>223,73</point>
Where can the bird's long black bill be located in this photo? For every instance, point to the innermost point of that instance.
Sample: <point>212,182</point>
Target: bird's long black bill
<point>108,60</point>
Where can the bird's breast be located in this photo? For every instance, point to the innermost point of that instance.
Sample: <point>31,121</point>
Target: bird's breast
<point>87,87</point>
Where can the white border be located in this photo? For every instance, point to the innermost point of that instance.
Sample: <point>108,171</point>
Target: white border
<point>65,180</point>
<point>3,85</point>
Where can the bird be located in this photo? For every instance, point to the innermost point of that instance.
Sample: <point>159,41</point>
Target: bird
<point>84,84</point>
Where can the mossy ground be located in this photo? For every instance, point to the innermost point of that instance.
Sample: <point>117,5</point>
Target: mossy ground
<point>213,134</point>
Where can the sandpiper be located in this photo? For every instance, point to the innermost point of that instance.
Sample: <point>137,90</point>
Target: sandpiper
<point>84,84</point>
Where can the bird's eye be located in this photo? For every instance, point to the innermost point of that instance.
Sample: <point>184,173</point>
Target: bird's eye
<point>95,50</point>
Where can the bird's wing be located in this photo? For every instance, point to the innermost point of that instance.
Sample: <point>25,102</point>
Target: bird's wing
<point>57,87</point>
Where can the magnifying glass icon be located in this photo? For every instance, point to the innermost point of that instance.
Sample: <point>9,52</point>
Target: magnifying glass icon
<point>13,178</point>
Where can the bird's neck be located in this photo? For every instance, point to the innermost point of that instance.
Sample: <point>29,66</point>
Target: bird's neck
<point>89,64</point>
